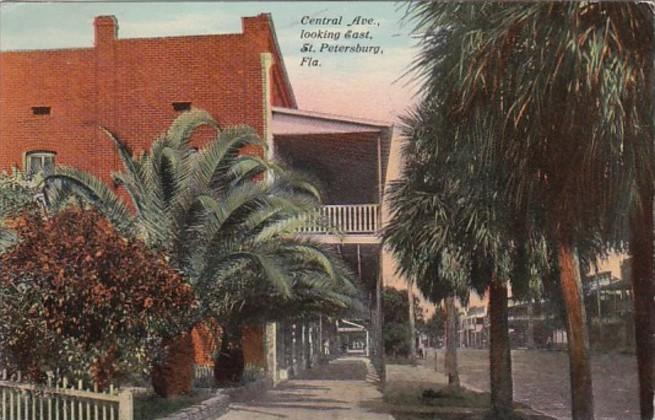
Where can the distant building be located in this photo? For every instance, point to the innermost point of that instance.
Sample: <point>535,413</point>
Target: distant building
<point>534,324</point>
<point>609,305</point>
<point>474,327</point>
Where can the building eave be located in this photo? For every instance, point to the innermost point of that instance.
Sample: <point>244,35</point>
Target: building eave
<point>372,124</point>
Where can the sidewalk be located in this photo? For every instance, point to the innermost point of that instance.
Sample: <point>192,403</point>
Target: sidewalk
<point>343,389</point>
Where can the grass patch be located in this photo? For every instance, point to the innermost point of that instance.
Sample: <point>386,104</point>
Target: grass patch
<point>407,400</point>
<point>404,393</point>
<point>453,396</point>
<point>150,407</point>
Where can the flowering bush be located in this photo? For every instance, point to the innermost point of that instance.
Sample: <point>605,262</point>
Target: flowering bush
<point>78,297</point>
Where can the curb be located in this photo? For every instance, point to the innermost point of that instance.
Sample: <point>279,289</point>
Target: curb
<point>205,410</point>
<point>218,405</point>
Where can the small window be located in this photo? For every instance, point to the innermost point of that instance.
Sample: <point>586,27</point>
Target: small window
<point>181,106</point>
<point>40,162</point>
<point>41,110</point>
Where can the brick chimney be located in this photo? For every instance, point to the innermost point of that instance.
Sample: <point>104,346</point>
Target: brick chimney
<point>106,29</point>
<point>256,24</point>
<point>258,29</point>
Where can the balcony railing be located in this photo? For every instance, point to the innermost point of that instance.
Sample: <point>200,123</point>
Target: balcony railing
<point>343,219</point>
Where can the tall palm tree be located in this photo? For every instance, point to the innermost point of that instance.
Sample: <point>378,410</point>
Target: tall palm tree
<point>226,219</point>
<point>560,95</point>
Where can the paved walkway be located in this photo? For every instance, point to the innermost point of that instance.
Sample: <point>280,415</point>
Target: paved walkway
<point>343,389</point>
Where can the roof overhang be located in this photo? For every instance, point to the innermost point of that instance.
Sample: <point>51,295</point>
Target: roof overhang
<point>349,326</point>
<point>295,122</point>
<point>288,121</point>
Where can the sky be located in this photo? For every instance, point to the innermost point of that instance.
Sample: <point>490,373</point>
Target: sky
<point>363,85</point>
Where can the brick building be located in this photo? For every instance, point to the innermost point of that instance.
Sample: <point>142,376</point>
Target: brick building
<point>55,100</point>
<point>52,103</point>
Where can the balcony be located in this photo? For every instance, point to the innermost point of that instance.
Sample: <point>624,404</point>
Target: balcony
<point>345,220</point>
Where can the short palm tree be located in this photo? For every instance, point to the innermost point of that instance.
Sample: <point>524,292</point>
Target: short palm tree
<point>226,219</point>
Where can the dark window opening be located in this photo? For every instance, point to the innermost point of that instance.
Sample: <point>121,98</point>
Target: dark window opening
<point>181,106</point>
<point>40,162</point>
<point>41,110</point>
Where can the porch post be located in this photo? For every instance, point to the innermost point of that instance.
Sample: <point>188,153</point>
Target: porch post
<point>380,279</point>
<point>294,348</point>
<point>359,261</point>
<point>270,342</point>
<point>321,354</point>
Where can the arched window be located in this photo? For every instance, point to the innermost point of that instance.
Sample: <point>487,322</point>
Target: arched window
<point>39,162</point>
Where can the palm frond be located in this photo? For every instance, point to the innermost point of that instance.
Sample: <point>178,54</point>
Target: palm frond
<point>96,193</point>
<point>180,131</point>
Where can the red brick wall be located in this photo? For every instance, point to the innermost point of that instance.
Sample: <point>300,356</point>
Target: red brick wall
<point>254,350</point>
<point>206,340</point>
<point>128,85</point>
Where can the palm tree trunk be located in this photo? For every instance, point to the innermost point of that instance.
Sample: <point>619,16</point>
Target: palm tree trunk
<point>641,248</point>
<point>582,403</point>
<point>500,360</point>
<point>412,324</point>
<point>451,342</point>
<point>173,376</point>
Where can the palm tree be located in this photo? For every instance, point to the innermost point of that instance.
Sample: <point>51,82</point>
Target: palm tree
<point>552,93</point>
<point>226,219</point>
<point>451,231</point>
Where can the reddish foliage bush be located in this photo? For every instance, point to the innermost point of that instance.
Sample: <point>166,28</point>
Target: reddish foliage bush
<point>83,286</point>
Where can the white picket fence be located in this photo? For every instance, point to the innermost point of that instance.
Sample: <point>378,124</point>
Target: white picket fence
<point>60,400</point>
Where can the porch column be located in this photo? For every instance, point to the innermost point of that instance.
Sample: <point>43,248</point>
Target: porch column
<point>380,279</point>
<point>270,342</point>
<point>294,338</point>
<point>321,353</point>
<point>359,262</point>
<point>303,346</point>
<point>308,346</point>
